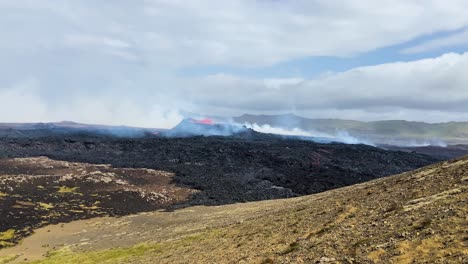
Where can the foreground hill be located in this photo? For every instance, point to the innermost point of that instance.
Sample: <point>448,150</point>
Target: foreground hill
<point>415,217</point>
<point>380,132</point>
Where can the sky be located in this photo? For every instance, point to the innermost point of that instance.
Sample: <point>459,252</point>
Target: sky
<point>147,62</point>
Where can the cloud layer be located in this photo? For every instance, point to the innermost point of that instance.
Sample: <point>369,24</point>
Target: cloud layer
<point>431,85</point>
<point>121,62</point>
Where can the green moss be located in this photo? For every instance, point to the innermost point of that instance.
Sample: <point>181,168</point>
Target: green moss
<point>6,244</point>
<point>117,255</point>
<point>46,206</point>
<point>65,255</point>
<point>7,259</point>
<point>65,189</point>
<point>7,235</point>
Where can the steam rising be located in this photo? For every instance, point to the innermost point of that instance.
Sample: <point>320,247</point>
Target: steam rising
<point>422,143</point>
<point>203,127</point>
<point>339,136</point>
<point>283,131</point>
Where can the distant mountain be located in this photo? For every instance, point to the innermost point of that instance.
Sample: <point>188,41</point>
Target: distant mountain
<point>390,132</point>
<point>379,132</point>
<point>62,124</point>
<point>67,127</point>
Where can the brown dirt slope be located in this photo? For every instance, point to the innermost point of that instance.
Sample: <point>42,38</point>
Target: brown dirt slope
<point>415,217</point>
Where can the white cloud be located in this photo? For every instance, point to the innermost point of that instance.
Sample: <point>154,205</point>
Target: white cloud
<point>249,33</point>
<point>20,103</point>
<point>120,63</point>
<point>429,89</point>
<point>277,82</point>
<point>77,40</point>
<point>241,33</point>
<point>439,43</point>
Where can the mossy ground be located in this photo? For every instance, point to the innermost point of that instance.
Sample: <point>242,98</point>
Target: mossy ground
<point>116,255</point>
<point>35,192</point>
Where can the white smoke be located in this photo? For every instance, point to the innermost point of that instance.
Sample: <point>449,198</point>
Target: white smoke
<point>283,131</point>
<point>339,136</point>
<point>344,137</point>
<point>423,143</point>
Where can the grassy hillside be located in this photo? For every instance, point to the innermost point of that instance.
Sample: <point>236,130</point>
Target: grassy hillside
<point>456,132</point>
<point>415,217</point>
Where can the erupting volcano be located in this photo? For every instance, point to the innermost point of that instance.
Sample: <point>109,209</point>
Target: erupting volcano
<point>204,127</point>
<point>205,121</point>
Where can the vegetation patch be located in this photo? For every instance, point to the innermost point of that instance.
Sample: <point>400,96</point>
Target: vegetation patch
<point>7,259</point>
<point>7,235</point>
<point>116,255</point>
<point>6,238</point>
<point>65,255</point>
<point>65,189</point>
<point>46,206</point>
<point>6,244</point>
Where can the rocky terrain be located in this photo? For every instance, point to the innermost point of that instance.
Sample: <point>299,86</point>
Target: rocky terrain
<point>248,169</point>
<point>54,177</point>
<point>38,191</point>
<point>414,217</point>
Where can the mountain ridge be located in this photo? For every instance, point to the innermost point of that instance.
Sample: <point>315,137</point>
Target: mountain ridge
<point>381,132</point>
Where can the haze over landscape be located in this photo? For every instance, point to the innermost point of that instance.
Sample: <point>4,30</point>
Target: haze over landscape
<point>244,131</point>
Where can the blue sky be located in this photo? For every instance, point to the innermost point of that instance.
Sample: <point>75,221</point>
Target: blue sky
<point>309,67</point>
<point>145,62</point>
